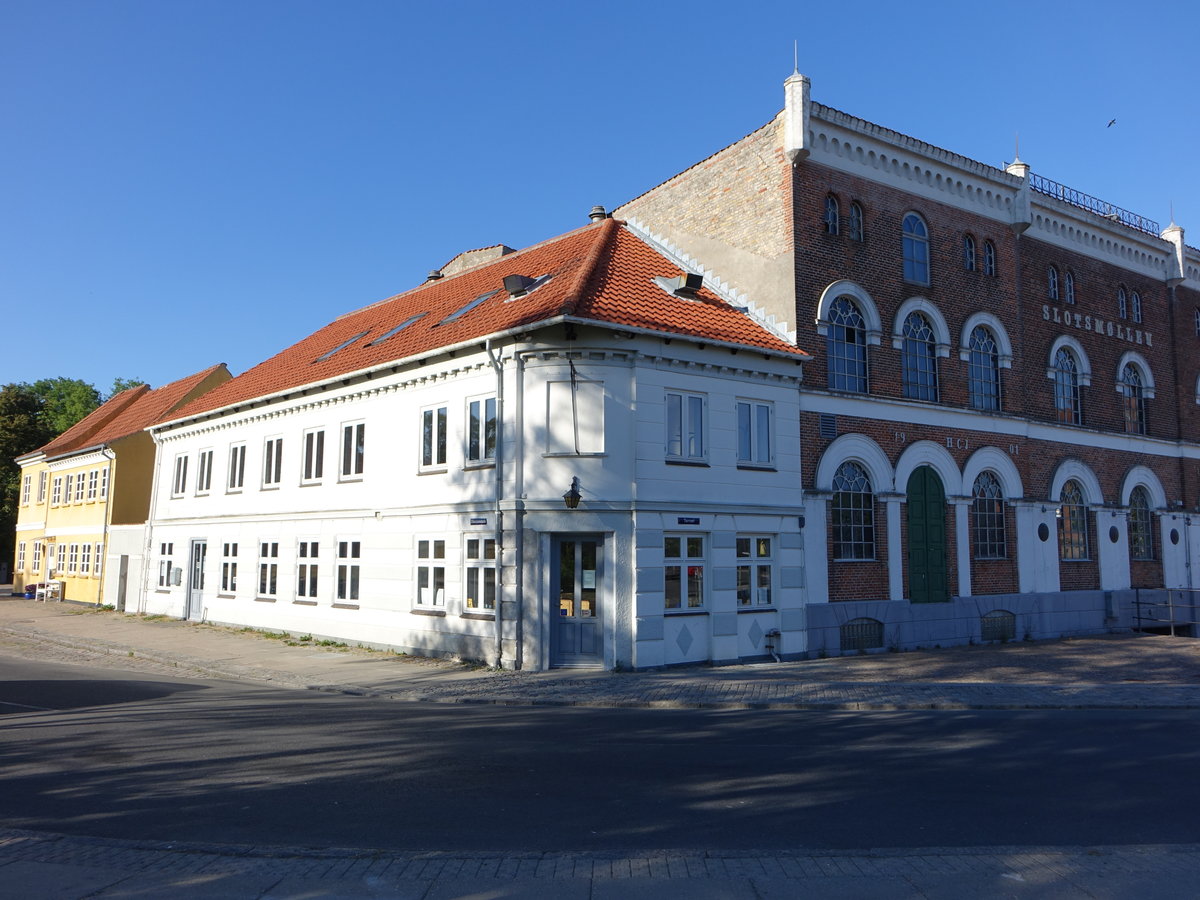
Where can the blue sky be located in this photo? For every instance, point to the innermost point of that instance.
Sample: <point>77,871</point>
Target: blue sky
<point>184,182</point>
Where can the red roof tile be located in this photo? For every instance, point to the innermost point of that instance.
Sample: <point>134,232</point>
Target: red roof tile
<point>601,273</point>
<point>127,413</point>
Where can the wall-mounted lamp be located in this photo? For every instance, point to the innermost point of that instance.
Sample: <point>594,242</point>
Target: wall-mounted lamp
<point>572,497</point>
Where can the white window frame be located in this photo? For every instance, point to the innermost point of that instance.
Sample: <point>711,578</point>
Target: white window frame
<point>72,559</point>
<point>686,439</point>
<point>85,558</point>
<point>20,556</point>
<point>80,487</point>
<point>36,562</point>
<point>690,595</point>
<point>93,485</point>
<point>435,441</point>
<point>179,478</point>
<point>43,477</point>
<point>312,458</point>
<point>752,565</point>
<point>104,483</point>
<point>204,466</point>
<point>166,550</point>
<point>750,450</point>
<point>229,567</point>
<point>479,450</point>
<point>68,488</point>
<point>98,567</point>
<point>354,450</point>
<point>480,578</point>
<point>308,569</point>
<point>430,580</point>
<point>348,581</point>
<point>235,478</point>
<point>267,586</point>
<point>26,488</point>
<point>56,487</point>
<point>272,468</point>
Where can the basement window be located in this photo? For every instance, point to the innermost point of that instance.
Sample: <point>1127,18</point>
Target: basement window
<point>395,331</point>
<point>458,314</point>
<point>340,347</point>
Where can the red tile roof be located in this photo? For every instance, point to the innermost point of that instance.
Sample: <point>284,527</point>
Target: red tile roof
<point>127,413</point>
<point>600,273</point>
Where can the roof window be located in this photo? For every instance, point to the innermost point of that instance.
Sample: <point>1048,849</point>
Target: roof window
<point>686,285</point>
<point>458,314</point>
<point>520,285</point>
<point>395,331</point>
<point>340,347</point>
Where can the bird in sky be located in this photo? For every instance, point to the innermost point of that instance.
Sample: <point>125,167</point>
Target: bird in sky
<point>1111,123</point>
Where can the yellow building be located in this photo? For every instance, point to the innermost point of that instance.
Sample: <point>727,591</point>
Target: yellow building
<point>84,497</point>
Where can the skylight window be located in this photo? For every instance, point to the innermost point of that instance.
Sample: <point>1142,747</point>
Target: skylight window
<point>458,314</point>
<point>395,331</point>
<point>340,347</point>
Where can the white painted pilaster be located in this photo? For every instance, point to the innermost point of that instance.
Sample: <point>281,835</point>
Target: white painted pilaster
<point>895,548</point>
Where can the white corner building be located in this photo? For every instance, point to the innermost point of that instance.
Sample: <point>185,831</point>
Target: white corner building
<point>578,454</point>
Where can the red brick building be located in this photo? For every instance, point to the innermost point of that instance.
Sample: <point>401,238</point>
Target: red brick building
<point>1000,421</point>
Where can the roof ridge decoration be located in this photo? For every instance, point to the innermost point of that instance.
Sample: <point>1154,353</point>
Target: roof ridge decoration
<point>712,281</point>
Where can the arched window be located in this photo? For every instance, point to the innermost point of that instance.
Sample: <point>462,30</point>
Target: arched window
<point>989,258</point>
<point>969,253</point>
<point>1133,400</point>
<point>1069,287</point>
<point>846,347</point>
<point>1137,307</point>
<point>831,214</point>
<point>1066,387</point>
<point>920,359</point>
<point>1052,283</point>
<point>987,517</point>
<point>983,370</point>
<point>916,249</point>
<point>1141,536</point>
<point>1122,303</point>
<point>853,513</point>
<point>856,222</point>
<point>1072,523</point>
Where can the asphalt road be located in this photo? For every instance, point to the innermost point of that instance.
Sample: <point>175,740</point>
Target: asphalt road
<point>102,752</point>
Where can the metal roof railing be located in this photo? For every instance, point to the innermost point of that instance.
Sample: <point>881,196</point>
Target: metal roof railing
<point>1093,204</point>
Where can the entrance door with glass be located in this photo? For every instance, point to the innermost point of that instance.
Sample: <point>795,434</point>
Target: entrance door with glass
<point>576,629</point>
<point>195,594</point>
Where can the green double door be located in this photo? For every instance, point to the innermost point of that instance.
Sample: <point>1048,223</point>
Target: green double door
<point>926,537</point>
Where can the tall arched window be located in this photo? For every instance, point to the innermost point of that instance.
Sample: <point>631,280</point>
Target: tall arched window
<point>989,258</point>
<point>856,222</point>
<point>1072,523</point>
<point>1133,400</point>
<point>831,214</point>
<point>969,253</point>
<point>1069,287</point>
<point>916,249</point>
<point>1052,283</point>
<point>1137,307</point>
<point>1122,303</point>
<point>983,370</point>
<point>1066,388</point>
<point>853,513</point>
<point>1141,535</point>
<point>846,347</point>
<point>987,517</point>
<point>920,359</point>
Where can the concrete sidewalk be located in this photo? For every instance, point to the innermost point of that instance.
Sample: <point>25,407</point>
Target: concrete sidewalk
<point>1106,672</point>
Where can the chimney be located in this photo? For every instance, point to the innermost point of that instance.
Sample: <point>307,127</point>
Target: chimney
<point>598,213</point>
<point>796,107</point>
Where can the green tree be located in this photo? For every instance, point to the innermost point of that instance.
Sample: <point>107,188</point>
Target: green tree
<point>122,384</point>
<point>23,428</point>
<point>65,401</point>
